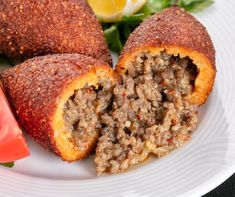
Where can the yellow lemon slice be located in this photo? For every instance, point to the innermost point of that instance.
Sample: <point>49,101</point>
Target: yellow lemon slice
<point>114,10</point>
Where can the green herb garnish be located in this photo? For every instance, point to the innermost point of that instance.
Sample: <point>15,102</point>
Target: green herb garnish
<point>8,164</point>
<point>117,33</point>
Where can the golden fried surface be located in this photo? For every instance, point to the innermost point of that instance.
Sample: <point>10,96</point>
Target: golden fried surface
<point>31,28</point>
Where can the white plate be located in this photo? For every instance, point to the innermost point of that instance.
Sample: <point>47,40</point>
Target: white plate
<point>192,170</point>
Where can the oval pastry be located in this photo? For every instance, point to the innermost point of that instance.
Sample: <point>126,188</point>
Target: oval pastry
<point>32,28</point>
<point>58,100</point>
<point>179,34</point>
<point>167,70</point>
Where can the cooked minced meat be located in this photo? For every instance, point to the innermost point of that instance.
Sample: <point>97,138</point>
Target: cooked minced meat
<point>82,111</point>
<point>149,114</point>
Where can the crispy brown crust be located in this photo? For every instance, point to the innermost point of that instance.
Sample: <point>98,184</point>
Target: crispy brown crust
<point>180,33</point>
<point>31,28</point>
<point>35,89</point>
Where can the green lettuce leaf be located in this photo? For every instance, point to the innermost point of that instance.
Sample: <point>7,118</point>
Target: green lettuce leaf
<point>195,5</point>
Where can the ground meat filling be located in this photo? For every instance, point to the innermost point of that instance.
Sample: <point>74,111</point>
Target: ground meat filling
<point>82,112</point>
<point>149,114</point>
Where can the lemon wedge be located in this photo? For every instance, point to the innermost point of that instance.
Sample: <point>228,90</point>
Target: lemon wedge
<point>114,10</point>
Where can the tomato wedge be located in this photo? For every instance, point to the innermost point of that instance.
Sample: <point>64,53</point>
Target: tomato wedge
<point>12,142</point>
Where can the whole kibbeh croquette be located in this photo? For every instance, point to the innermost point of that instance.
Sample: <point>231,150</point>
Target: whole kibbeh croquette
<point>32,28</point>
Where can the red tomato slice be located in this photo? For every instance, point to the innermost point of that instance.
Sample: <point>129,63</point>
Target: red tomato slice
<point>12,142</point>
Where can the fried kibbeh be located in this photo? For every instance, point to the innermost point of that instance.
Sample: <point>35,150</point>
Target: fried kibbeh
<point>58,100</point>
<point>168,70</point>
<point>177,33</point>
<point>32,28</point>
